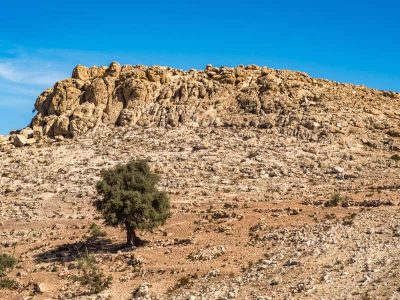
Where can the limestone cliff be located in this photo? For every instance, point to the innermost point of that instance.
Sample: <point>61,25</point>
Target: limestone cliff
<point>286,102</point>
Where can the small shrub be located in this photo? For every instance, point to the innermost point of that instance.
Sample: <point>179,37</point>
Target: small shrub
<point>91,276</point>
<point>185,282</point>
<point>336,200</point>
<point>7,283</point>
<point>96,231</point>
<point>395,157</point>
<point>6,262</point>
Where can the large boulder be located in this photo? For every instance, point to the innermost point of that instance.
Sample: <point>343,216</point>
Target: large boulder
<point>19,140</point>
<point>65,97</point>
<point>61,126</point>
<point>80,72</point>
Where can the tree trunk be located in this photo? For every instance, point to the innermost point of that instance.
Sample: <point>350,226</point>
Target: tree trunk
<point>132,239</point>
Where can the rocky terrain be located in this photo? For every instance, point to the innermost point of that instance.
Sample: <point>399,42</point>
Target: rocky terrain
<point>251,158</point>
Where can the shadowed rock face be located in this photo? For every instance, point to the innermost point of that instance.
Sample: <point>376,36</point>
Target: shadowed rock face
<point>285,102</point>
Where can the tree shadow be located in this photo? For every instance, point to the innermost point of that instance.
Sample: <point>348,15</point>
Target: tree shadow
<point>71,251</point>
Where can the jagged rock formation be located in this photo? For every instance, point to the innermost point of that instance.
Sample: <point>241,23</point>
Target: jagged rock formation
<point>282,101</point>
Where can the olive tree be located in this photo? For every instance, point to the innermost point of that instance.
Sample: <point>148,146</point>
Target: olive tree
<point>128,197</point>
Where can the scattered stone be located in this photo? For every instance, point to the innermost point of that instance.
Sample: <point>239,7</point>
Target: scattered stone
<point>39,288</point>
<point>19,140</point>
<point>142,292</point>
<point>290,263</point>
<point>208,253</point>
<point>338,170</point>
<point>275,281</point>
<point>59,138</point>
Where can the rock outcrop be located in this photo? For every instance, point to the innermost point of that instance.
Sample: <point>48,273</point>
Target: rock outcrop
<point>286,102</point>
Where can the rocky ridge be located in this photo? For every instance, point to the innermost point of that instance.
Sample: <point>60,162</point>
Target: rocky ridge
<point>279,101</point>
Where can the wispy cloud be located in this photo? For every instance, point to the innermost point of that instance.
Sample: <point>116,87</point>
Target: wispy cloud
<point>23,76</point>
<point>29,73</point>
<point>21,81</point>
<point>25,73</point>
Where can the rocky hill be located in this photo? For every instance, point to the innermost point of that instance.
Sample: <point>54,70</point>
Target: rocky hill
<point>282,186</point>
<point>279,101</point>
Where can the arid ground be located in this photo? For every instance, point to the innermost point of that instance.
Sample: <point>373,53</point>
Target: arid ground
<point>251,217</point>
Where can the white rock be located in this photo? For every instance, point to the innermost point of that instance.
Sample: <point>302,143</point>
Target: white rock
<point>338,170</point>
<point>39,288</point>
<point>19,140</point>
<point>59,138</point>
<point>27,132</point>
<point>142,291</point>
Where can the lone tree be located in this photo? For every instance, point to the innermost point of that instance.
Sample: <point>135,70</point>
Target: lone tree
<point>129,197</point>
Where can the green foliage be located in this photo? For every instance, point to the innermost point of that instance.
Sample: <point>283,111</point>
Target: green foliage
<point>395,157</point>
<point>129,197</point>
<point>184,282</point>
<point>7,283</point>
<point>6,262</point>
<point>96,231</point>
<point>91,276</point>
<point>336,200</point>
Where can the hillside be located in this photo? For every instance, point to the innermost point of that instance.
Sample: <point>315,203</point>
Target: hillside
<point>251,157</point>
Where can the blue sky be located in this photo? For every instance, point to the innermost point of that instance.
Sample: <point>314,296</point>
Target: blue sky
<point>41,41</point>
